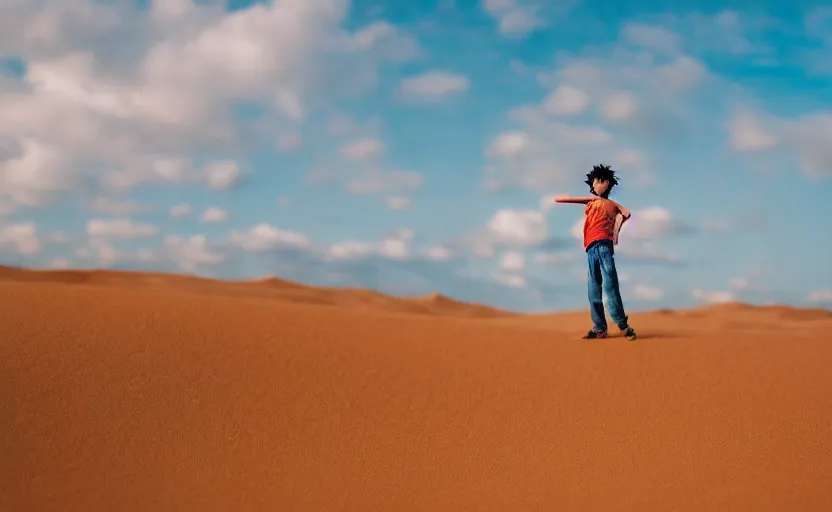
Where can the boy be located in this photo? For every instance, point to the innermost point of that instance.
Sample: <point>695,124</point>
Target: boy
<point>602,224</point>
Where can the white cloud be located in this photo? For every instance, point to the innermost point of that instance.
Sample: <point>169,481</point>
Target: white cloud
<point>547,202</point>
<point>30,28</point>
<point>434,85</point>
<point>566,100</point>
<point>638,165</point>
<point>387,41</point>
<point>363,150</point>
<point>395,246</point>
<point>119,228</point>
<point>653,222</point>
<point>191,253</point>
<point>360,170</point>
<point>351,249</point>
<point>808,137</point>
<point>511,280</point>
<point>651,293</point>
<point>713,297</point>
<point>214,215</point>
<point>376,181</point>
<point>646,251</point>
<point>99,249</point>
<point>818,21</point>
<point>368,181</point>
<point>222,175</point>
<point>59,263</point>
<point>289,141</point>
<point>102,251</point>
<point>748,134</point>
<point>21,238</point>
<point>341,125</point>
<point>506,229</point>
<point>172,10</point>
<point>619,106</point>
<point>547,154</point>
<point>555,258</point>
<point>517,227</point>
<point>651,37</point>
<point>116,207</point>
<point>264,237</point>
<point>727,33</point>
<point>515,18</point>
<point>180,210</point>
<point>59,238</point>
<point>32,171</point>
<point>683,73</point>
<point>438,253</point>
<point>509,144</point>
<point>717,225</point>
<point>152,170</point>
<point>513,261</point>
<point>811,138</point>
<point>577,229</point>
<point>397,202</point>
<point>821,296</point>
<point>145,255</point>
<point>101,72</point>
<point>6,208</point>
<point>739,283</point>
<point>659,79</point>
<point>650,98</point>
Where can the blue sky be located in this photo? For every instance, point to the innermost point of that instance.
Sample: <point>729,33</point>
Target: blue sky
<point>415,146</point>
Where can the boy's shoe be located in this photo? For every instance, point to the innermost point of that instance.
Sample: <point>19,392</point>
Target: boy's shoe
<point>630,334</point>
<point>594,335</point>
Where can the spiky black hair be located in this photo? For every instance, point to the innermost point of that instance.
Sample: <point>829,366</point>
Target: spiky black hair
<point>603,173</point>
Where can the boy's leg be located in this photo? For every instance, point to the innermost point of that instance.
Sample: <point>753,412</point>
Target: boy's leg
<point>606,260</point>
<point>594,281</point>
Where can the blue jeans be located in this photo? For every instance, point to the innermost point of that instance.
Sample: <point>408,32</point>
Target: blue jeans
<point>600,256</point>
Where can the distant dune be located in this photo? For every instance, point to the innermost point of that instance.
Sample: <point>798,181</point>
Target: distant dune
<point>270,287</point>
<point>145,391</point>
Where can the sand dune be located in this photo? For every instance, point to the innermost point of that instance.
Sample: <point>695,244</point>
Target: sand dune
<point>270,287</point>
<point>138,391</point>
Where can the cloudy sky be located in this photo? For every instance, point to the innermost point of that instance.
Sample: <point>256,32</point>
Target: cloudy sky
<point>415,146</point>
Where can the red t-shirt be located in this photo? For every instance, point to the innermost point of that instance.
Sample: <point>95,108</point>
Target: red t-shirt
<point>600,221</point>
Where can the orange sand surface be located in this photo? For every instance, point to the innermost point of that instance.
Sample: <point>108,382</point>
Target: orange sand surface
<point>129,391</point>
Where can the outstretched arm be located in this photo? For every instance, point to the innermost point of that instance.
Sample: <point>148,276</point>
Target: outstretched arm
<point>572,199</point>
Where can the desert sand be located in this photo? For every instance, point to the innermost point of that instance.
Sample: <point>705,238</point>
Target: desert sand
<point>150,392</point>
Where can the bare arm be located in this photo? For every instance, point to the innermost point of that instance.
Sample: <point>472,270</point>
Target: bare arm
<point>621,217</point>
<point>619,221</point>
<point>572,199</point>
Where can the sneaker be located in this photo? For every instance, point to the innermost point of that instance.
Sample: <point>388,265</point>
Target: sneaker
<point>630,334</point>
<point>594,335</point>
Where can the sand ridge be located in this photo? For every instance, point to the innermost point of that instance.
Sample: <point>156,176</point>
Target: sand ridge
<point>268,287</point>
<point>135,391</point>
